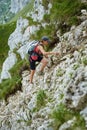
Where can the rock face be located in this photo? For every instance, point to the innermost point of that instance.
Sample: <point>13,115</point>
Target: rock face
<point>64,81</point>
<point>39,11</point>
<point>7,65</point>
<point>4,9</point>
<point>17,5</point>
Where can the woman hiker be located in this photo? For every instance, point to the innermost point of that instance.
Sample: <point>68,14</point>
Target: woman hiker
<point>40,55</point>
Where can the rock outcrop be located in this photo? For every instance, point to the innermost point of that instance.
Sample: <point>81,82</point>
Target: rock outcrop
<point>64,81</point>
<point>17,5</point>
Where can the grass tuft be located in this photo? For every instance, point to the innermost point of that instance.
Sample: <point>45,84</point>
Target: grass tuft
<point>41,96</point>
<point>61,114</point>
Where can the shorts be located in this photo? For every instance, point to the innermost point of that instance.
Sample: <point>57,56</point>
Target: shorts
<point>33,62</point>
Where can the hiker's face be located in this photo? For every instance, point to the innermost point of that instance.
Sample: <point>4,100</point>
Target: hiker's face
<point>46,43</point>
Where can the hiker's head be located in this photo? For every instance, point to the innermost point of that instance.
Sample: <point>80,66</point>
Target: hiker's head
<point>45,40</point>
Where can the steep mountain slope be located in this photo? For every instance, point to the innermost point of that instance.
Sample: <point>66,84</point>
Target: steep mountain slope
<point>56,100</point>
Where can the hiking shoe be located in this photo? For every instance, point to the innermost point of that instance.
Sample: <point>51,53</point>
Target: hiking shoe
<point>31,83</point>
<point>40,73</point>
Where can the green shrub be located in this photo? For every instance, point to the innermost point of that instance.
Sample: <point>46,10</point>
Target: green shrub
<point>65,10</point>
<point>79,124</point>
<point>41,96</point>
<point>46,18</point>
<point>59,72</point>
<point>75,66</point>
<point>61,114</point>
<point>31,22</point>
<point>71,75</point>
<point>84,60</point>
<point>64,13</point>
<point>61,96</point>
<point>45,4</point>
<point>5,31</point>
<point>47,30</point>
<point>10,86</point>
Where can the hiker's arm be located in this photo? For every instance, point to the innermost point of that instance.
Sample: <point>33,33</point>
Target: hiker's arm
<point>47,53</point>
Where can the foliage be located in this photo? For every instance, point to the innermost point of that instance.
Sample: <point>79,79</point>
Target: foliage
<point>41,95</point>
<point>10,86</point>
<point>59,72</point>
<point>45,4</point>
<point>75,66</point>
<point>64,13</point>
<point>31,22</point>
<point>48,30</point>
<point>84,60</point>
<point>79,124</point>
<point>5,31</point>
<point>61,114</point>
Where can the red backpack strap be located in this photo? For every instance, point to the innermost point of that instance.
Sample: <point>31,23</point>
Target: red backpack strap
<point>36,49</point>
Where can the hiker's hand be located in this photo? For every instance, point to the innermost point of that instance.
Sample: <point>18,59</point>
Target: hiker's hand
<point>46,56</point>
<point>56,53</point>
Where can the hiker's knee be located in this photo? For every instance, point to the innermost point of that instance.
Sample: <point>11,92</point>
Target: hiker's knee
<point>44,61</point>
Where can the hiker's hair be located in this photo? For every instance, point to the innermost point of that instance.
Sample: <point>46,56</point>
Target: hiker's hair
<point>41,40</point>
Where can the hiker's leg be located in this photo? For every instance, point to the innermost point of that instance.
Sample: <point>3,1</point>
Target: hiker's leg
<point>32,67</point>
<point>44,62</point>
<point>31,76</point>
